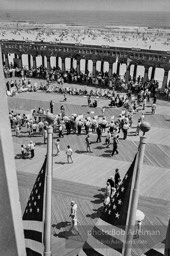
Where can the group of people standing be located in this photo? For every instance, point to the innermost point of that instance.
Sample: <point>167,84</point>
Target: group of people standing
<point>112,185</point>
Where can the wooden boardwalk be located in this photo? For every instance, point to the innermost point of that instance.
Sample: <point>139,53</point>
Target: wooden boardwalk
<point>89,200</point>
<point>82,181</point>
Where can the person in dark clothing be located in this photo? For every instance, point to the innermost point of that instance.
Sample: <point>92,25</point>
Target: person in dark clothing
<point>125,130</point>
<point>111,181</point>
<point>79,127</point>
<point>115,143</point>
<point>99,133</point>
<point>89,100</point>
<point>68,127</point>
<point>117,178</point>
<point>51,106</point>
<point>154,99</point>
<point>95,103</point>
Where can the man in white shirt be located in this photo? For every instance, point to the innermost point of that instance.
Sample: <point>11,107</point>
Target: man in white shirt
<point>31,148</point>
<point>69,153</point>
<point>73,215</point>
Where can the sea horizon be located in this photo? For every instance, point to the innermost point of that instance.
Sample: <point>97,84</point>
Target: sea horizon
<point>89,18</point>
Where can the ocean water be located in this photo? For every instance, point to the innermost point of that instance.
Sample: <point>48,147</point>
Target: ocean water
<point>90,18</point>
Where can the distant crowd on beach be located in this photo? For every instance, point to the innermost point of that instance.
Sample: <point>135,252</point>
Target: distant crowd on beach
<point>155,39</point>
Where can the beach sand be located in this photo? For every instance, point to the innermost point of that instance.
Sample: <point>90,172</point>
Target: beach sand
<point>130,37</point>
<point>137,37</point>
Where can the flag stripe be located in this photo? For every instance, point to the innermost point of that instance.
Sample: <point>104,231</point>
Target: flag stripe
<point>33,220</point>
<point>32,252</point>
<point>34,246</point>
<point>157,250</point>
<point>33,235</point>
<point>107,239</point>
<point>34,225</point>
<point>153,252</point>
<point>106,227</point>
<point>100,247</point>
<point>89,251</point>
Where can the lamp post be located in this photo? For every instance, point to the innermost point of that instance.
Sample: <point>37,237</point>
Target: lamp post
<point>145,127</point>
<point>48,203</point>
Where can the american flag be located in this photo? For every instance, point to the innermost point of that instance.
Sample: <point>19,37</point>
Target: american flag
<point>33,218</point>
<point>108,235</point>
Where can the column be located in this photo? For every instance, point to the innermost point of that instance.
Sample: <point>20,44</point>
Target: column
<point>6,60</point>
<point>29,61</point>
<point>86,67</point>
<point>110,69</point>
<point>135,72</point>
<point>118,68</point>
<point>43,60</point>
<point>34,62</point>
<point>56,62</point>
<point>63,64</point>
<point>153,73</point>
<point>78,66</point>
<point>127,74</point>
<point>48,63</point>
<point>94,67</point>
<point>165,79</point>
<point>145,79</point>
<point>20,61</point>
<point>71,63</point>
<point>102,66</point>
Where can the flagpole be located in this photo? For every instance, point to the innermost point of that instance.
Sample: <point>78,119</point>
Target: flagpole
<point>47,226</point>
<point>167,241</point>
<point>135,193</point>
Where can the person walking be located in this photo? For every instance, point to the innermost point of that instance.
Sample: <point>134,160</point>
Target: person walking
<point>60,131</point>
<point>115,145</point>
<point>108,137</point>
<point>23,153</point>
<point>79,126</point>
<point>69,153</point>
<point>52,106</point>
<point>94,124</point>
<point>99,133</point>
<point>125,130</point>
<point>73,215</point>
<point>107,195</point>
<point>154,99</point>
<point>87,139</point>
<point>57,144</point>
<point>32,148</point>
<point>17,130</point>
<point>41,127</point>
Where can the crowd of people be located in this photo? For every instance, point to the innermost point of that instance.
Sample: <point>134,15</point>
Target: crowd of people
<point>105,130</point>
<point>104,87</point>
<point>37,122</point>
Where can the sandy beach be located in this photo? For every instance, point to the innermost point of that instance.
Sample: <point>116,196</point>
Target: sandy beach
<point>117,36</point>
<point>137,37</point>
